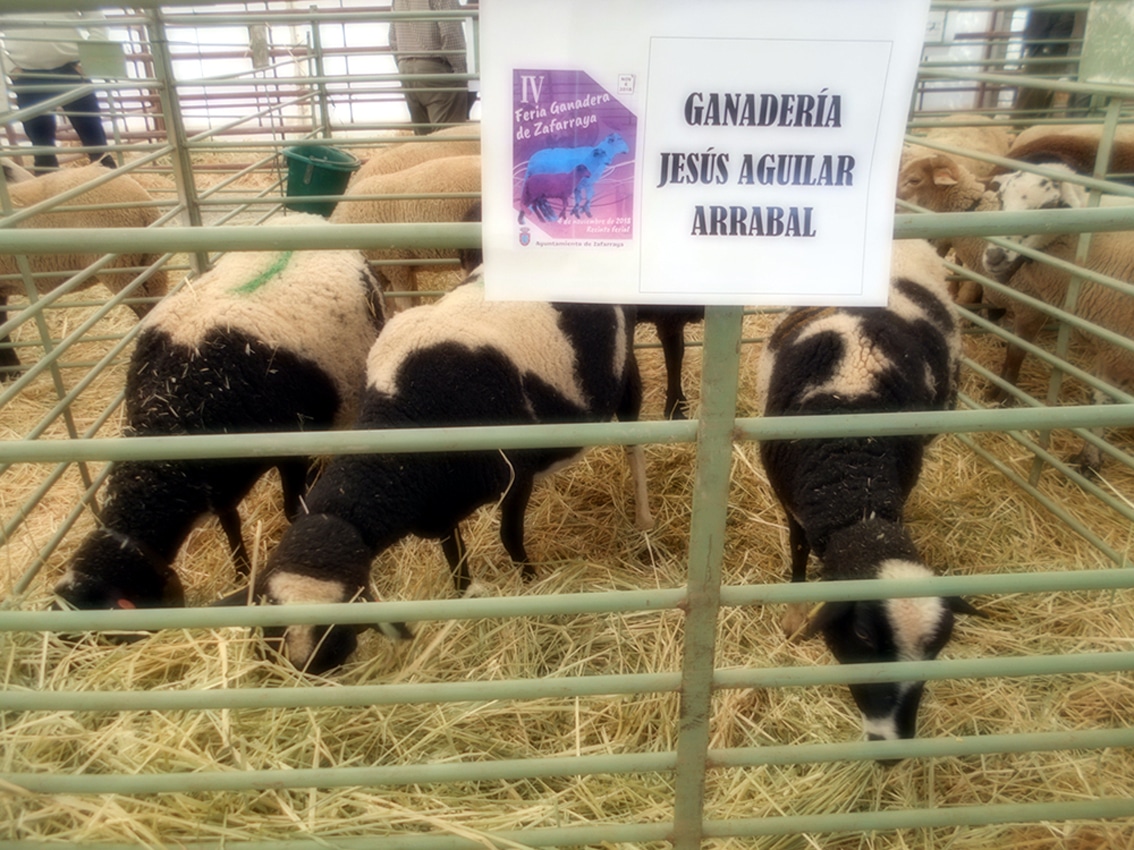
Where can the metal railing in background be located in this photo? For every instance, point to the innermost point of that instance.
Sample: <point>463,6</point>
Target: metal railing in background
<point>285,104</point>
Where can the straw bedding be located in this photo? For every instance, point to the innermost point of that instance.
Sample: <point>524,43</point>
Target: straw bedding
<point>966,518</point>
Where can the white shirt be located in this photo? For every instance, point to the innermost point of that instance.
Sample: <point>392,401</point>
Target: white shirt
<point>51,39</point>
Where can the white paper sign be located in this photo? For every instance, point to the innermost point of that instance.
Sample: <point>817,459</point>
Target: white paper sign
<point>722,152</point>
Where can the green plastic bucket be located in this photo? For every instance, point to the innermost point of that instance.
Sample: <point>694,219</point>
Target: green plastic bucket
<point>317,170</point>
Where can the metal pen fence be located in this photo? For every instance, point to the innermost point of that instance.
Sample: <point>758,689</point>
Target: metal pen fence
<point>213,185</point>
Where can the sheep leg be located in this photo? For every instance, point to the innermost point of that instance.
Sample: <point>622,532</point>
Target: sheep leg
<point>643,519</point>
<point>797,614</point>
<point>1089,458</point>
<point>293,482</point>
<point>458,557</point>
<point>671,334</point>
<point>628,410</point>
<point>512,509</point>
<point>230,522</point>
<point>9,362</point>
<point>1027,327</point>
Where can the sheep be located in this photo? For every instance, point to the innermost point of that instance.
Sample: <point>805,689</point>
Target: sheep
<point>596,158</point>
<point>60,266</point>
<point>265,341</point>
<point>15,173</point>
<point>941,184</point>
<point>968,131</point>
<point>1073,145</point>
<point>669,320</point>
<point>437,145</point>
<point>458,174</point>
<point>538,189</point>
<point>459,361</point>
<point>844,496</point>
<point>1110,254</point>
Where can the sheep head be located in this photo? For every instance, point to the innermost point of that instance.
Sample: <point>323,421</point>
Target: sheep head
<point>1025,190</point>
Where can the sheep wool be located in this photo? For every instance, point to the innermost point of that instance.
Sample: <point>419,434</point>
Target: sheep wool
<point>452,175</point>
<point>265,341</point>
<point>844,496</point>
<point>460,361</point>
<point>52,270</point>
<point>303,302</point>
<point>1110,254</point>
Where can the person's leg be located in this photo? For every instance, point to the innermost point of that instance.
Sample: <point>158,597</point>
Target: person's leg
<point>40,130</point>
<point>85,116</point>
<point>433,103</point>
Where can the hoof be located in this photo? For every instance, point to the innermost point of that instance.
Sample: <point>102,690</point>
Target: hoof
<point>795,620</point>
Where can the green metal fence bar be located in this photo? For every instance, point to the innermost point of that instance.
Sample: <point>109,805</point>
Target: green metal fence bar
<point>516,769</point>
<point>258,699</point>
<point>608,833</point>
<point>546,436</point>
<point>462,235</point>
<point>554,604</point>
<point>719,382</point>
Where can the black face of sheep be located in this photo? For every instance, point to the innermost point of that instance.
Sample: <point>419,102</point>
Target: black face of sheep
<point>887,630</point>
<point>112,570</point>
<point>318,545</point>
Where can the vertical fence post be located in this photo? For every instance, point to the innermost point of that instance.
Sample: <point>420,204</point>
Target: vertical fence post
<point>320,72</point>
<point>719,379</point>
<point>175,129</point>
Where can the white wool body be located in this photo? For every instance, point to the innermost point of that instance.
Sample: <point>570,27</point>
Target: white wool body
<point>311,303</point>
<point>527,333</point>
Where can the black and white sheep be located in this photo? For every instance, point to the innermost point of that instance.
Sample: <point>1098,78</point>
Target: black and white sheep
<point>54,269</point>
<point>1110,254</point>
<point>460,361</point>
<point>265,341</point>
<point>844,496</point>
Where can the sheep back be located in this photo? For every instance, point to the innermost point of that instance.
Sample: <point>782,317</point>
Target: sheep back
<point>323,307</point>
<point>823,360</point>
<point>122,189</point>
<point>1074,145</point>
<point>403,155</point>
<point>460,174</point>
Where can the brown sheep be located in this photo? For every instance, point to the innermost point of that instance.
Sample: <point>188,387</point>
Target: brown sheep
<point>1110,254</point>
<point>971,132</point>
<point>457,174</point>
<point>60,266</point>
<point>437,145</point>
<point>941,184</point>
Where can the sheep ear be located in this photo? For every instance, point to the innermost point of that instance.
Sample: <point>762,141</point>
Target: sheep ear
<point>1072,194</point>
<point>824,616</point>
<point>944,175</point>
<point>960,606</point>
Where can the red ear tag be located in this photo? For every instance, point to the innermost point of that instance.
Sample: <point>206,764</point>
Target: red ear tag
<point>126,605</point>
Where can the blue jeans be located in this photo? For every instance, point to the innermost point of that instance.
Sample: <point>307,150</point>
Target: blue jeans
<point>83,112</point>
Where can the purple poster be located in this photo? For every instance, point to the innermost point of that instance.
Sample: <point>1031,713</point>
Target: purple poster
<point>572,160</point>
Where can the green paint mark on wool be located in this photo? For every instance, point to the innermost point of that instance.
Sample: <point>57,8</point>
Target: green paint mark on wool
<point>273,270</point>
